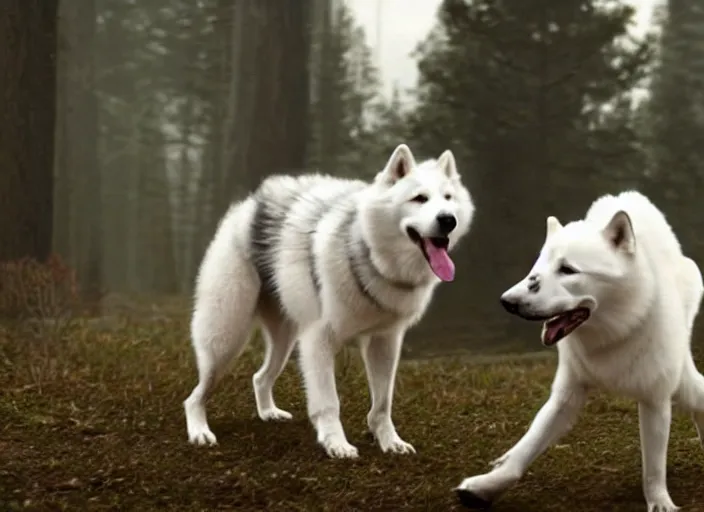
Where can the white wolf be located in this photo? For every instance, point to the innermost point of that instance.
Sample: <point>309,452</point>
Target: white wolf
<point>321,260</point>
<point>618,289</point>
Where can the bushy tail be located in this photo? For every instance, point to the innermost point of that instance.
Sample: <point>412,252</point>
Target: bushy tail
<point>227,289</point>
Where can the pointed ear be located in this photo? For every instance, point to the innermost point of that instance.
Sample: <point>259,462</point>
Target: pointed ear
<point>553,226</point>
<point>447,163</point>
<point>619,233</point>
<point>399,165</point>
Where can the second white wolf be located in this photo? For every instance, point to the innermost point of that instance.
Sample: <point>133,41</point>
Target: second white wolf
<point>619,296</point>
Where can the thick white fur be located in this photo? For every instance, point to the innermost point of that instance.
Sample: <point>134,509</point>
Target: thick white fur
<point>644,295</point>
<point>229,295</point>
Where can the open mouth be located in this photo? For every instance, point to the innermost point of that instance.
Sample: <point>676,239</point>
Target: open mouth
<point>434,250</point>
<point>559,326</point>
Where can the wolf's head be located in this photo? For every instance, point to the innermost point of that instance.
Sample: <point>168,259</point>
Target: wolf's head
<point>417,213</point>
<point>580,268</point>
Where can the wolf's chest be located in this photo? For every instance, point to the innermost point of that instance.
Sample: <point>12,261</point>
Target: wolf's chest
<point>361,316</point>
<point>624,370</point>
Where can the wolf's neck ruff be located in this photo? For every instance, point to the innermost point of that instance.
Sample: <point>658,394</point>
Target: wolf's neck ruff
<point>362,267</point>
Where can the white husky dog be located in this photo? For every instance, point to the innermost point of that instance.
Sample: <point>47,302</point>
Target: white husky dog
<point>321,260</point>
<point>617,290</point>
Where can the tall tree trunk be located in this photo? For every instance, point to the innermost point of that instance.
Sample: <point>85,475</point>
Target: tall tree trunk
<point>28,81</point>
<point>268,118</point>
<point>63,185</point>
<point>319,44</point>
<point>203,212</point>
<point>136,174</point>
<point>78,115</point>
<point>329,114</point>
<point>233,40</point>
<point>117,146</point>
<point>182,215</point>
<point>154,248</point>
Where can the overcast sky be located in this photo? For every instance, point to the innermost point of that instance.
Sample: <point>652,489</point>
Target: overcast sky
<point>406,22</point>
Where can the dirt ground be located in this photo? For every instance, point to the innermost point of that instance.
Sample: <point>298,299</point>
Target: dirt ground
<point>93,420</point>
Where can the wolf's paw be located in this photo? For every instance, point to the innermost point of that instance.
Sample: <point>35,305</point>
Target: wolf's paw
<point>663,504</point>
<point>274,414</point>
<point>197,426</point>
<point>387,438</point>
<point>469,497</point>
<point>659,507</point>
<point>339,449</point>
<point>396,445</point>
<point>201,436</point>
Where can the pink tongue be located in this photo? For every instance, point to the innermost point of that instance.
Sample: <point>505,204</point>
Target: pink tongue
<point>440,261</point>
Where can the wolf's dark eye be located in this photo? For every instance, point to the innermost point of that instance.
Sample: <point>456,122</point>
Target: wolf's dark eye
<point>566,270</point>
<point>420,198</point>
<point>448,197</point>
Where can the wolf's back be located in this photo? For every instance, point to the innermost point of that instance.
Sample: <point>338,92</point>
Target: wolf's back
<point>287,213</point>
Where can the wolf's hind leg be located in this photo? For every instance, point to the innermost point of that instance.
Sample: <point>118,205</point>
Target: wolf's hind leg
<point>280,339</point>
<point>226,300</point>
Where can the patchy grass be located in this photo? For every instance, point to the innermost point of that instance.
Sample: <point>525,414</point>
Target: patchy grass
<point>95,422</point>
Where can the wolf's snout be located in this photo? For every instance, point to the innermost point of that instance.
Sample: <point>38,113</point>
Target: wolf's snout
<point>510,305</point>
<point>446,222</point>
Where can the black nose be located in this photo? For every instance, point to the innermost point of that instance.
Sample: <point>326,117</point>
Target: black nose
<point>446,223</point>
<point>510,306</point>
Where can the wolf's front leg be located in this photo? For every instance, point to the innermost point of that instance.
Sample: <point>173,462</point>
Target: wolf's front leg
<point>554,420</point>
<point>654,435</point>
<point>317,350</point>
<point>381,354</point>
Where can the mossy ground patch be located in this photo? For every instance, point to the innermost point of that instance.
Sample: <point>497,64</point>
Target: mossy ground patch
<point>94,422</point>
